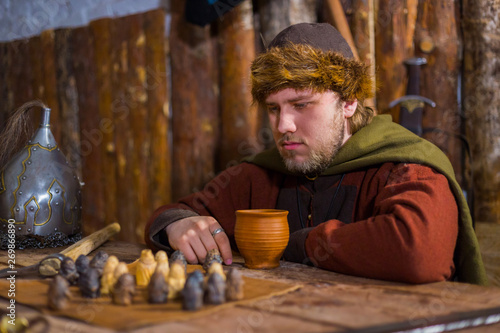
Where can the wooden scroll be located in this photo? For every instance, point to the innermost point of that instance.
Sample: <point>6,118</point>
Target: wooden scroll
<point>194,103</point>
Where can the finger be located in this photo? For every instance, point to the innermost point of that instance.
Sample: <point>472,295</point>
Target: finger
<point>188,253</point>
<point>199,250</point>
<point>208,241</point>
<point>224,247</point>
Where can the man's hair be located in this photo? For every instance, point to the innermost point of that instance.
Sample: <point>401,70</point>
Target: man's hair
<point>303,67</point>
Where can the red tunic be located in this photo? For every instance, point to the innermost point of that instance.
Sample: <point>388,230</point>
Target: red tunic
<point>395,222</point>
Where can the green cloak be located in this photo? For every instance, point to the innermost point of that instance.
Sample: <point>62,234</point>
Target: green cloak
<point>384,141</point>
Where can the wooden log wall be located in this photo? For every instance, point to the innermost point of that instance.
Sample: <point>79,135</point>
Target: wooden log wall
<point>136,146</point>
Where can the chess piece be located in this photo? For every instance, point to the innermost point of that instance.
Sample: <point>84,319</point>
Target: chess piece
<point>216,289</point>
<point>176,279</point>
<point>234,285</point>
<point>99,261</point>
<point>192,293</point>
<point>162,264</point>
<point>120,269</point>
<point>178,256</point>
<point>68,271</point>
<point>124,289</point>
<point>157,288</point>
<point>58,293</point>
<point>89,283</point>
<point>216,267</point>
<point>145,267</point>
<point>82,263</point>
<point>212,256</point>
<point>108,275</point>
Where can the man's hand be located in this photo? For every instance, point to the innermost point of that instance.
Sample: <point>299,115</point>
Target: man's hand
<point>193,236</point>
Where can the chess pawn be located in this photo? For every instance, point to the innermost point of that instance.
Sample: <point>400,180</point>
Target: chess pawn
<point>124,289</point>
<point>216,289</point>
<point>120,269</point>
<point>82,263</point>
<point>58,293</point>
<point>89,283</point>
<point>178,256</point>
<point>234,285</point>
<point>162,264</point>
<point>192,293</point>
<point>108,275</point>
<point>176,279</point>
<point>145,267</point>
<point>216,267</point>
<point>212,256</point>
<point>68,271</point>
<point>157,288</point>
<point>99,261</point>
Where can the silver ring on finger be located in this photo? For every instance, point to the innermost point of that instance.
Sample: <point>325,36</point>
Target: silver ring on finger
<point>217,231</point>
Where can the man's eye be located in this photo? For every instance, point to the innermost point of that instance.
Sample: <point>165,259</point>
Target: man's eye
<point>272,109</point>
<point>300,105</point>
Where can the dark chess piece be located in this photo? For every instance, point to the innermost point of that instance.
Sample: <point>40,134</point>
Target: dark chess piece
<point>82,263</point>
<point>212,256</point>
<point>90,283</point>
<point>157,288</point>
<point>192,292</point>
<point>234,285</point>
<point>216,289</point>
<point>99,261</point>
<point>68,271</point>
<point>178,256</point>
<point>58,293</point>
<point>124,289</point>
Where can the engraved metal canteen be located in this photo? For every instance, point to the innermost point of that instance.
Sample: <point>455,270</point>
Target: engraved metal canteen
<point>41,193</point>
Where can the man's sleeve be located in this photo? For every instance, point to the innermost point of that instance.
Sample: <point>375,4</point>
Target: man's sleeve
<point>409,236</point>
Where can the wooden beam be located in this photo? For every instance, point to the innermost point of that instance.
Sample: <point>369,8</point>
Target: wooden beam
<point>481,103</point>
<point>160,164</point>
<point>239,117</point>
<point>91,130</point>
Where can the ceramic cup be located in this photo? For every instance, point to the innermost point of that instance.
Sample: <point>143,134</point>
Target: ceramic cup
<point>261,236</point>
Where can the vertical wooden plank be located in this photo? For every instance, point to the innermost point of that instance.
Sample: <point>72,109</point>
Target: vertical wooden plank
<point>50,86</point>
<point>102,39</point>
<point>35,45</point>
<point>363,31</point>
<point>394,29</point>
<point>482,103</point>
<point>20,75</point>
<point>4,106</point>
<point>92,130</point>
<point>239,117</point>
<point>439,79</point>
<point>139,124</point>
<point>194,103</point>
<point>158,108</point>
<point>274,17</point>
<point>120,108</point>
<point>68,99</point>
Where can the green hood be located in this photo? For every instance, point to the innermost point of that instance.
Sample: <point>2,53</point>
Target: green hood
<point>384,141</point>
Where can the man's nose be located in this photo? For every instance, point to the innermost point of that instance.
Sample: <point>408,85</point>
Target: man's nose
<point>286,122</point>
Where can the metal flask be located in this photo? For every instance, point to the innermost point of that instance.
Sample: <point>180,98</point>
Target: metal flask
<point>40,194</point>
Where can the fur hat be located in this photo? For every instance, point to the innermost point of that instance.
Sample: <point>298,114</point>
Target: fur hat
<point>310,56</point>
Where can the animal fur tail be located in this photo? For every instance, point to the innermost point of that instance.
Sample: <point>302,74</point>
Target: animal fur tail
<point>18,130</point>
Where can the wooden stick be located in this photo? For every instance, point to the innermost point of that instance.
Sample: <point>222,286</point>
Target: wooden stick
<point>91,242</point>
<point>340,21</point>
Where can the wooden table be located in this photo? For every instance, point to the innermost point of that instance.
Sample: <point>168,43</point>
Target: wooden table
<point>326,302</point>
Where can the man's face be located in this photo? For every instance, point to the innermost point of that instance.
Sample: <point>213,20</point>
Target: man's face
<point>309,128</point>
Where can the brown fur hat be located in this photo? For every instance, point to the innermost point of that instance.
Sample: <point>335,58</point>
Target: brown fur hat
<point>310,56</point>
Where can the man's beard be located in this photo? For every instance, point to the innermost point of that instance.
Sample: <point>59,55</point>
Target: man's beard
<point>320,158</point>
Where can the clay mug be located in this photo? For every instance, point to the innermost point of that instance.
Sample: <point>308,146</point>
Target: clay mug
<point>261,236</point>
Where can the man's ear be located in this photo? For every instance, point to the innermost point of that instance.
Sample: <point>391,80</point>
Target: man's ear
<point>350,108</point>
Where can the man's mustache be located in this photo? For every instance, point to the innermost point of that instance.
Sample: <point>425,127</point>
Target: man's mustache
<point>290,137</point>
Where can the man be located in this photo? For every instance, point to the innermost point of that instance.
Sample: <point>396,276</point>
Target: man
<point>365,197</point>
